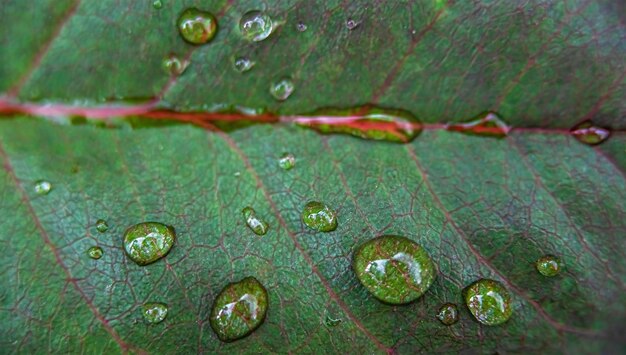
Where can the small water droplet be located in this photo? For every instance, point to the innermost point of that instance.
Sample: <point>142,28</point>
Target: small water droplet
<point>549,265</point>
<point>95,252</point>
<point>239,309</point>
<point>196,26</point>
<point>332,322</point>
<point>588,133</point>
<point>243,64</point>
<point>102,225</point>
<point>256,224</point>
<point>351,24</point>
<point>148,242</point>
<point>394,269</point>
<point>237,174</point>
<point>448,314</point>
<point>255,26</point>
<point>318,216</point>
<point>489,124</point>
<point>157,4</point>
<point>488,301</point>
<point>154,312</point>
<point>174,65</point>
<point>42,187</point>
<point>287,161</point>
<point>301,26</point>
<point>282,89</point>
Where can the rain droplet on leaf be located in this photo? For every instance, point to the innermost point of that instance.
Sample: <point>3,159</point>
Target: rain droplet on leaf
<point>301,26</point>
<point>394,269</point>
<point>318,216</point>
<point>549,265</point>
<point>42,187</point>
<point>488,301</point>
<point>174,65</point>
<point>154,312</point>
<point>196,26</point>
<point>489,124</point>
<point>351,24</point>
<point>282,89</point>
<point>102,225</point>
<point>256,224</point>
<point>157,4</point>
<point>255,26</point>
<point>287,161</point>
<point>588,133</point>
<point>148,242</point>
<point>95,252</point>
<point>448,314</point>
<point>239,309</point>
<point>243,64</point>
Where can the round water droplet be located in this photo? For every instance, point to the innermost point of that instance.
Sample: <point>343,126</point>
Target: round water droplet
<point>239,309</point>
<point>157,4</point>
<point>196,26</point>
<point>549,265</point>
<point>243,64</point>
<point>301,26</point>
<point>174,65</point>
<point>287,161</point>
<point>448,314</point>
<point>255,26</point>
<point>282,89</point>
<point>42,187</point>
<point>154,312</point>
<point>95,252</point>
<point>351,24</point>
<point>256,224</point>
<point>102,225</point>
<point>488,301</point>
<point>319,216</point>
<point>394,269</point>
<point>148,242</point>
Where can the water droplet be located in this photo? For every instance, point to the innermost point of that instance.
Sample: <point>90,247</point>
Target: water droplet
<point>102,225</point>
<point>255,26</point>
<point>42,187</point>
<point>237,174</point>
<point>301,26</point>
<point>489,124</point>
<point>351,24</point>
<point>174,65</point>
<point>243,64</point>
<point>332,322</point>
<point>154,312</point>
<point>239,309</point>
<point>368,122</point>
<point>549,265</point>
<point>196,26</point>
<point>282,89</point>
<point>394,269</point>
<point>448,314</point>
<point>157,4</point>
<point>256,224</point>
<point>587,133</point>
<point>319,216</point>
<point>95,252</point>
<point>488,301</point>
<point>287,161</point>
<point>148,242</point>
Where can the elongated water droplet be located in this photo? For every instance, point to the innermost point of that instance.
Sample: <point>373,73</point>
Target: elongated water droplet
<point>256,224</point>
<point>351,24</point>
<point>318,216</point>
<point>174,65</point>
<point>239,309</point>
<point>368,122</point>
<point>549,265</point>
<point>95,252</point>
<point>332,322</point>
<point>301,26</point>
<point>394,269</point>
<point>448,314</point>
<point>588,133</point>
<point>196,26</point>
<point>287,161</point>
<point>282,89</point>
<point>157,4</point>
<point>102,225</point>
<point>488,301</point>
<point>255,26</point>
<point>154,312</point>
<point>489,124</point>
<point>243,64</point>
<point>42,187</point>
<point>148,242</point>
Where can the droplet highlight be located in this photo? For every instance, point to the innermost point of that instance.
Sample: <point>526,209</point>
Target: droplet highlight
<point>95,252</point>
<point>351,24</point>
<point>590,134</point>
<point>42,187</point>
<point>549,265</point>
<point>448,314</point>
<point>317,215</point>
<point>154,312</point>
<point>282,89</point>
<point>102,226</point>
<point>256,224</point>
<point>255,26</point>
<point>148,242</point>
<point>174,65</point>
<point>489,125</point>
<point>196,26</point>
<point>287,161</point>
<point>488,301</point>
<point>157,4</point>
<point>243,64</point>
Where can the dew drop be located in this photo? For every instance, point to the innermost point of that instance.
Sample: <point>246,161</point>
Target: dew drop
<point>148,242</point>
<point>196,26</point>
<point>243,64</point>
<point>588,133</point>
<point>174,65</point>
<point>95,252</point>
<point>282,89</point>
<point>448,314</point>
<point>287,161</point>
<point>239,309</point>
<point>157,4</point>
<point>549,265</point>
<point>102,225</point>
<point>255,26</point>
<point>318,216</point>
<point>256,224</point>
<point>332,322</point>
<point>154,312</point>
<point>489,124</point>
<point>488,301</point>
<point>42,187</point>
<point>394,269</point>
<point>301,26</point>
<point>351,24</point>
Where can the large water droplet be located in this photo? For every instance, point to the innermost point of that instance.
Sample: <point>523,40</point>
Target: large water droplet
<point>448,314</point>
<point>174,65</point>
<point>154,312</point>
<point>102,225</point>
<point>256,224</point>
<point>196,26</point>
<point>318,216</point>
<point>95,252</point>
<point>287,161</point>
<point>549,265</point>
<point>42,187</point>
<point>239,309</point>
<point>488,301</point>
<point>148,242</point>
<point>282,89</point>
<point>489,124</point>
<point>394,269</point>
<point>255,26</point>
<point>157,4</point>
<point>588,133</point>
<point>368,122</point>
<point>243,64</point>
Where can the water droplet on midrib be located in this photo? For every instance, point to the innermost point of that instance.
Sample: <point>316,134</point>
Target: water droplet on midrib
<point>489,124</point>
<point>590,134</point>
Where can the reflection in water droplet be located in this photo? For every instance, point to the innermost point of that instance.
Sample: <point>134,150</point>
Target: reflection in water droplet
<point>157,4</point>
<point>318,216</point>
<point>332,322</point>
<point>256,224</point>
<point>154,312</point>
<point>448,314</point>
<point>102,225</point>
<point>95,252</point>
<point>394,269</point>
<point>174,65</point>
<point>282,89</point>
<point>301,26</point>
<point>287,161</point>
<point>148,242</point>
<point>42,187</point>
<point>351,24</point>
<point>196,26</point>
<point>239,309</point>
<point>549,265</point>
<point>488,301</point>
<point>243,64</point>
<point>255,26</point>
<point>588,133</point>
<point>489,124</point>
